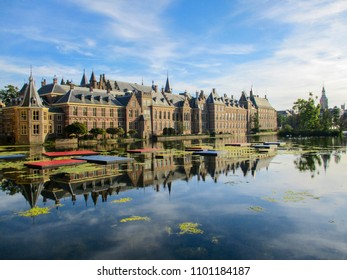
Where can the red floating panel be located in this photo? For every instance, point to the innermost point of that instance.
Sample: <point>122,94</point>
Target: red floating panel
<point>70,153</point>
<point>53,163</point>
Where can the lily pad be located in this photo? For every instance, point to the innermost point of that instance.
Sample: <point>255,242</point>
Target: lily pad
<point>256,208</point>
<point>190,228</point>
<point>135,218</point>
<point>35,211</point>
<point>122,200</point>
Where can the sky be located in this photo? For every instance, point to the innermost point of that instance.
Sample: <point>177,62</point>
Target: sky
<point>281,49</point>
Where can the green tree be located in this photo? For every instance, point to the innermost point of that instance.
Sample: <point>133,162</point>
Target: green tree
<point>120,132</point>
<point>336,119</point>
<point>97,131</point>
<point>8,93</point>
<point>132,132</point>
<point>112,130</point>
<point>76,128</point>
<point>326,120</point>
<point>307,113</point>
<point>255,123</point>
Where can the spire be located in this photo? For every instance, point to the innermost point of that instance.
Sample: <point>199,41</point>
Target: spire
<point>323,100</point>
<point>167,85</point>
<point>93,81</point>
<point>31,98</point>
<point>84,80</point>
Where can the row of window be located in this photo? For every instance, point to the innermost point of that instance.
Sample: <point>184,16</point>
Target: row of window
<point>36,129</point>
<point>35,116</point>
<point>103,112</point>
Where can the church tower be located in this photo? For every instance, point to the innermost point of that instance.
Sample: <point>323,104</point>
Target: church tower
<point>323,100</point>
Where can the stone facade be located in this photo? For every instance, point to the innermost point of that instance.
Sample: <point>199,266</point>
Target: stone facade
<point>38,115</point>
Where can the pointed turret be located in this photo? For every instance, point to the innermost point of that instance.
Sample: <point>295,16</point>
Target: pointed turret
<point>167,85</point>
<point>31,98</point>
<point>93,81</point>
<point>84,80</point>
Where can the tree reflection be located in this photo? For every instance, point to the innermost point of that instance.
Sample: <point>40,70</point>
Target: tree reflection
<point>311,162</point>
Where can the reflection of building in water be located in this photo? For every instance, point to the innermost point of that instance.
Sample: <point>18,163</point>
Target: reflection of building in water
<point>215,166</point>
<point>158,173</point>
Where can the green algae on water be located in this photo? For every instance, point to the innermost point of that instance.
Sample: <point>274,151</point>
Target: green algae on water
<point>256,208</point>
<point>35,211</point>
<point>135,218</point>
<point>190,228</point>
<point>291,196</point>
<point>122,200</point>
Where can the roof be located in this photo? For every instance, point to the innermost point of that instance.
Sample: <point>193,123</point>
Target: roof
<point>31,98</point>
<point>53,88</point>
<point>214,98</point>
<point>125,86</point>
<point>260,102</point>
<point>85,96</point>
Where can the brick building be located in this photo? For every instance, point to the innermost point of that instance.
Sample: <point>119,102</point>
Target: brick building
<point>40,114</point>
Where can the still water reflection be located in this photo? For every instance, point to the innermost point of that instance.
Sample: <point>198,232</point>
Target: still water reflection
<point>291,204</point>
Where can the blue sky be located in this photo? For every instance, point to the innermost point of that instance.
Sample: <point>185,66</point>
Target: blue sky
<point>284,49</point>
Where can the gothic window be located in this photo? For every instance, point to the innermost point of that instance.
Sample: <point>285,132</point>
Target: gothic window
<point>85,111</point>
<point>94,112</point>
<point>74,111</point>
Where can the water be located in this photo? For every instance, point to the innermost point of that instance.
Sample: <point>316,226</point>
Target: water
<point>288,205</point>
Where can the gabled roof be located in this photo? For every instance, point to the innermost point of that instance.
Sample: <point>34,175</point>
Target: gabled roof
<point>213,98</point>
<point>124,100</point>
<point>260,102</point>
<point>31,98</point>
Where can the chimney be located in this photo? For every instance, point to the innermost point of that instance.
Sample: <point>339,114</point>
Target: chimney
<point>43,82</point>
<point>55,80</point>
<point>156,88</point>
<point>213,90</point>
<point>72,86</point>
<point>265,96</point>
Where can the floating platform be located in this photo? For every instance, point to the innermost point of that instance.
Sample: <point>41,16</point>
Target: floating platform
<point>206,153</point>
<point>145,150</point>
<point>105,159</point>
<point>279,144</point>
<point>70,153</point>
<point>11,157</point>
<point>197,148</point>
<point>53,163</point>
<point>238,144</point>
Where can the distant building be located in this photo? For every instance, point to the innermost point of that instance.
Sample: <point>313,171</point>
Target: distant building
<point>41,114</point>
<point>323,100</point>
